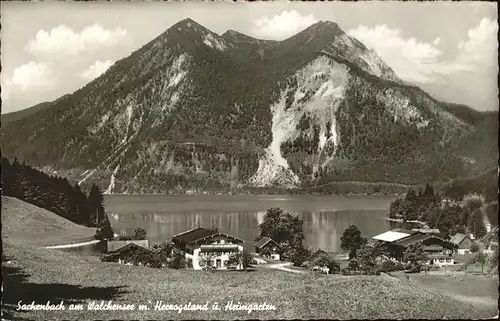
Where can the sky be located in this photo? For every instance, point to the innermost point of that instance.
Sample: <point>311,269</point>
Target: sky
<point>50,49</point>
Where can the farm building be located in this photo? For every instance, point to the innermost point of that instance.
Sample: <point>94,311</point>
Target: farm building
<point>396,241</point>
<point>208,247</point>
<point>115,245</point>
<point>127,253</point>
<point>464,242</point>
<point>267,247</point>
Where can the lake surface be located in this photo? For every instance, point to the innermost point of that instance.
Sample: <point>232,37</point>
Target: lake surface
<point>325,217</point>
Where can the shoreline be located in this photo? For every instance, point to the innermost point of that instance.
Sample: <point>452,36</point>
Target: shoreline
<point>251,194</point>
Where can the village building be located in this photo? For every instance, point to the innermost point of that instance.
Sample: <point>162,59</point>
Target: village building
<point>115,245</point>
<point>125,254</point>
<point>396,241</point>
<point>208,248</point>
<point>267,248</point>
<point>463,242</point>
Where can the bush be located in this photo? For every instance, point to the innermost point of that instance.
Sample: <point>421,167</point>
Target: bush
<point>389,266</point>
<point>474,248</point>
<point>139,234</point>
<point>327,261</point>
<point>104,231</point>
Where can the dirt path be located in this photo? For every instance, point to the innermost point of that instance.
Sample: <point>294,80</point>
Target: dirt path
<point>284,267</point>
<point>68,246</point>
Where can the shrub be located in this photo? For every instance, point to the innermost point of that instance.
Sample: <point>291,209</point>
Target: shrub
<point>474,248</point>
<point>389,266</point>
<point>104,231</point>
<point>327,261</point>
<point>139,234</point>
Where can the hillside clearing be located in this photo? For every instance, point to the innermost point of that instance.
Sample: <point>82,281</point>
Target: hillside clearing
<point>24,223</point>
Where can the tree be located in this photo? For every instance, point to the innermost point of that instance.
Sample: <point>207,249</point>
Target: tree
<point>494,259</point>
<point>366,259</point>
<point>246,259</point>
<point>234,260</point>
<point>327,261</point>
<point>477,224</point>
<point>299,255</point>
<point>482,259</point>
<point>82,204</point>
<point>415,255</point>
<point>104,231</point>
<point>284,228</point>
<point>177,262</point>
<point>474,248</point>
<point>139,234</point>
<point>96,204</point>
<point>161,253</point>
<point>492,213</point>
<point>352,240</point>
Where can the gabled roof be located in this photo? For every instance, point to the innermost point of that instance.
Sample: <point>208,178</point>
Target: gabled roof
<point>198,234</point>
<point>458,238</point>
<point>263,241</point>
<point>420,238</point>
<point>394,235</point>
<point>317,254</point>
<point>126,247</point>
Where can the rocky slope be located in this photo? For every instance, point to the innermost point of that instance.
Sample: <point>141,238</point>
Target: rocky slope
<point>195,110</point>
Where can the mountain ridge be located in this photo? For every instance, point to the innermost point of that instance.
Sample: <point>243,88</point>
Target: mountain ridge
<point>192,107</point>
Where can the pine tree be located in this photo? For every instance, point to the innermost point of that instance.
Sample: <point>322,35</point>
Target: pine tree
<point>82,205</point>
<point>96,205</point>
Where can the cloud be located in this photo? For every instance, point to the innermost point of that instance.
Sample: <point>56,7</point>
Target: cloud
<point>411,59</point>
<point>96,69</point>
<point>481,48</point>
<point>421,62</point>
<point>32,75</point>
<point>282,26</point>
<point>63,41</point>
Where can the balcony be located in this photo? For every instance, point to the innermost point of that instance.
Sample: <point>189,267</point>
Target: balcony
<point>219,248</point>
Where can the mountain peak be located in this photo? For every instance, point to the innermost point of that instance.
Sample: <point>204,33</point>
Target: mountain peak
<point>189,24</point>
<point>322,26</point>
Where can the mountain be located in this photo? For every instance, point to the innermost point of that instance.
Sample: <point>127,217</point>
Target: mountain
<point>196,110</point>
<point>16,115</point>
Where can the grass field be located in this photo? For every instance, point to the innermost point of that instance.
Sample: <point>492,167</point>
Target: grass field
<point>33,273</point>
<point>24,223</point>
<point>469,288</point>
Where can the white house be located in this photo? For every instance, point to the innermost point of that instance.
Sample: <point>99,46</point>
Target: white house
<point>440,259</point>
<point>208,247</point>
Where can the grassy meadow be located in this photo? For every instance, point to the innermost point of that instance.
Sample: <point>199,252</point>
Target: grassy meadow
<point>34,273</point>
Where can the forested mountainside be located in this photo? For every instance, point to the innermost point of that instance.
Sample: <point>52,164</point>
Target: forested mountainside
<point>196,110</point>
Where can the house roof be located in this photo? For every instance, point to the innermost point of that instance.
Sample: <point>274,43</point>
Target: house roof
<point>419,238</point>
<point>458,238</point>
<point>394,235</point>
<point>317,254</point>
<point>263,241</point>
<point>427,230</point>
<point>126,247</point>
<point>198,234</point>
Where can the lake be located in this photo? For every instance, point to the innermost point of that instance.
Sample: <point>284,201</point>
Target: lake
<point>325,217</point>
